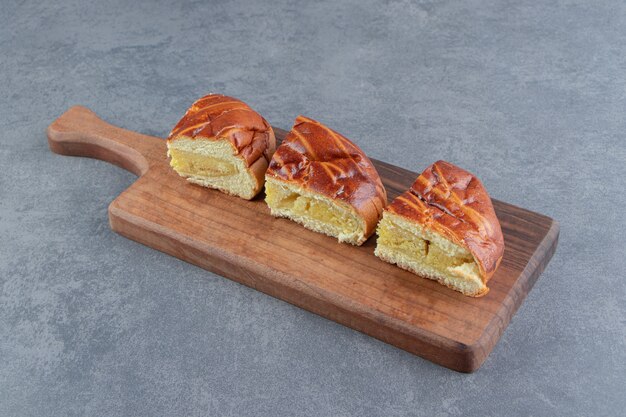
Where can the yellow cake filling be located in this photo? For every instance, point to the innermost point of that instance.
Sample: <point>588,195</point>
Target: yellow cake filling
<point>188,163</point>
<point>426,253</point>
<point>314,211</point>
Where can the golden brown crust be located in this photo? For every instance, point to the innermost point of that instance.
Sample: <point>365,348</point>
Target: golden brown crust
<point>455,204</point>
<point>216,116</point>
<point>323,161</point>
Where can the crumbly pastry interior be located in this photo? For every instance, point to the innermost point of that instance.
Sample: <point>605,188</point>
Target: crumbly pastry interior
<point>314,211</point>
<point>429,254</point>
<point>214,164</point>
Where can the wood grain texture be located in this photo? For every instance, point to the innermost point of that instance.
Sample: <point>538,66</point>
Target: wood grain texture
<point>239,239</point>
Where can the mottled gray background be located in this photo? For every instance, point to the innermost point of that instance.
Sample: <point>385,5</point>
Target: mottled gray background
<point>529,95</point>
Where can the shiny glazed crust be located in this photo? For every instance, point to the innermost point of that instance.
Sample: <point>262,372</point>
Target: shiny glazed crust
<point>219,117</point>
<point>323,161</point>
<point>454,203</point>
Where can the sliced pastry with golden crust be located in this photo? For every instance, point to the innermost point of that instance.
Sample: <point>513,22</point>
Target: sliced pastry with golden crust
<point>323,181</point>
<point>222,143</point>
<point>444,228</point>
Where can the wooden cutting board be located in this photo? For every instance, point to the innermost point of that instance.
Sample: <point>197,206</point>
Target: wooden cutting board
<point>239,240</point>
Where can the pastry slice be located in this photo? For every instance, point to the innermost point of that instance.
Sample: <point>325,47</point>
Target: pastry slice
<point>222,143</point>
<point>444,228</point>
<point>323,181</point>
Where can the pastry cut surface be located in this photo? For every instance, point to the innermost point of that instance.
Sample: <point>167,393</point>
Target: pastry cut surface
<point>222,143</point>
<point>323,181</point>
<point>444,228</point>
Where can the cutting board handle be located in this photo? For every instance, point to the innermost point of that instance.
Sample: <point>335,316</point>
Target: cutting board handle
<point>80,132</point>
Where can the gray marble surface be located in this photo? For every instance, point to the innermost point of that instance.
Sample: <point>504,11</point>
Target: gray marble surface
<point>529,95</point>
